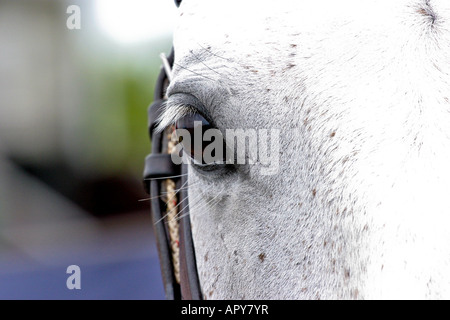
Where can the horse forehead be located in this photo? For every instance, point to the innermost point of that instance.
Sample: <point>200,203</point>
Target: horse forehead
<point>227,24</point>
<point>238,26</point>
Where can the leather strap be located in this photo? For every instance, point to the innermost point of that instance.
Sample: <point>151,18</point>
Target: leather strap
<point>154,112</point>
<point>160,165</point>
<point>190,285</point>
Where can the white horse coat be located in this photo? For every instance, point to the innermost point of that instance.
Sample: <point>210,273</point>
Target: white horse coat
<point>360,91</point>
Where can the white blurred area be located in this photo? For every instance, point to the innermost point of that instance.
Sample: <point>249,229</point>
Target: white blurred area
<point>73,138</point>
<point>135,21</point>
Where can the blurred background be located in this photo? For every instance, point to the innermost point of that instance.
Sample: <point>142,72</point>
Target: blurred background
<point>73,138</point>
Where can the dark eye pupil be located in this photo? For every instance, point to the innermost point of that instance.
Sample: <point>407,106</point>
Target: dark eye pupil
<point>190,121</point>
<point>196,125</point>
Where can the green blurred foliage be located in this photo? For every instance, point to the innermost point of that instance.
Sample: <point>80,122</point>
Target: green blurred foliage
<point>118,92</point>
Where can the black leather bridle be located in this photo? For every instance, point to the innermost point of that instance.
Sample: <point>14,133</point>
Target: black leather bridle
<point>174,242</point>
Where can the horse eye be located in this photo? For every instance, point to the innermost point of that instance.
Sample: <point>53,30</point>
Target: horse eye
<point>202,152</point>
<point>190,122</point>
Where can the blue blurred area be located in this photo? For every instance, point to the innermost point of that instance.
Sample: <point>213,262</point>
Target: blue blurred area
<point>121,280</point>
<point>116,254</point>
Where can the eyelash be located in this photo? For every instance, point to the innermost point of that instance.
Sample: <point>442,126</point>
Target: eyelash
<point>183,104</point>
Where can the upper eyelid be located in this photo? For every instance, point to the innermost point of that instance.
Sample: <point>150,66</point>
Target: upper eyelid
<point>178,105</point>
